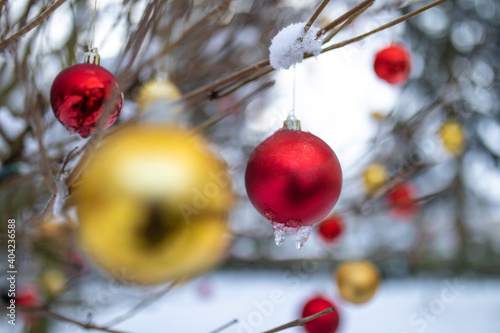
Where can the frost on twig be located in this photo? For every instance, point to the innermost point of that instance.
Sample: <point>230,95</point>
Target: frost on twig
<point>291,43</point>
<point>60,197</point>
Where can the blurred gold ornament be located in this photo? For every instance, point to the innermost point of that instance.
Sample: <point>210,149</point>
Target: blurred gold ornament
<point>357,281</point>
<point>452,136</point>
<point>153,203</point>
<point>378,115</point>
<point>155,91</point>
<point>374,176</point>
<point>57,229</point>
<point>53,281</point>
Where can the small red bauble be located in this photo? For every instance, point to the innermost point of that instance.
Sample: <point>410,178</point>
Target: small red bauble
<point>28,296</point>
<point>330,229</point>
<point>293,178</point>
<point>75,265</point>
<point>401,201</point>
<point>327,323</point>
<point>393,64</point>
<point>80,95</point>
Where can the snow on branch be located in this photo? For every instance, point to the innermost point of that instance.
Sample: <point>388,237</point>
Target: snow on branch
<point>291,43</point>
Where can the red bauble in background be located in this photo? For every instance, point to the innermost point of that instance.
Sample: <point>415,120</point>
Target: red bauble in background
<point>80,95</point>
<point>401,201</point>
<point>293,178</point>
<point>28,296</point>
<point>393,64</point>
<point>75,265</point>
<point>327,323</point>
<point>330,229</point>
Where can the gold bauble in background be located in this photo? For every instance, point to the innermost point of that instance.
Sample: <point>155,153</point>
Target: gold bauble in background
<point>155,91</point>
<point>374,176</point>
<point>53,281</point>
<point>357,281</point>
<point>58,230</point>
<point>452,136</point>
<point>152,205</point>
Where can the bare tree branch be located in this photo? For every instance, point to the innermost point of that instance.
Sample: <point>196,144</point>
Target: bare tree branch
<point>300,321</point>
<point>313,18</point>
<point>223,327</point>
<point>141,305</point>
<point>87,326</point>
<point>205,91</point>
<point>32,24</point>
<point>358,8</point>
<point>383,27</point>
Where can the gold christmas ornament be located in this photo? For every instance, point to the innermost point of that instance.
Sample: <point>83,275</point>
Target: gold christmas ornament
<point>58,230</point>
<point>152,205</point>
<point>357,281</point>
<point>155,91</point>
<point>378,116</point>
<point>53,281</point>
<point>374,176</point>
<point>452,136</point>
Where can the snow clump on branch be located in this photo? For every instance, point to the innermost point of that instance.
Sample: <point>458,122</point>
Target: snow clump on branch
<point>291,43</point>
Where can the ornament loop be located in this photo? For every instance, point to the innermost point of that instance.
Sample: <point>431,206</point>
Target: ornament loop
<point>291,123</point>
<point>92,57</point>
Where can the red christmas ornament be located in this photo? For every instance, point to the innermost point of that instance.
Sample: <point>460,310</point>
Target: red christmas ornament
<point>327,323</point>
<point>80,95</point>
<point>400,199</point>
<point>75,265</point>
<point>28,296</point>
<point>331,228</point>
<point>294,179</point>
<point>393,64</point>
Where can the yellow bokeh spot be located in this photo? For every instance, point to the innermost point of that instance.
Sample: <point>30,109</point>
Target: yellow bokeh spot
<point>378,115</point>
<point>53,281</point>
<point>452,136</point>
<point>374,176</point>
<point>157,91</point>
<point>357,281</point>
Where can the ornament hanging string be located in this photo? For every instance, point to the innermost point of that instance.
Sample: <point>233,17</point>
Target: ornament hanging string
<point>291,114</point>
<point>92,33</point>
<point>355,252</point>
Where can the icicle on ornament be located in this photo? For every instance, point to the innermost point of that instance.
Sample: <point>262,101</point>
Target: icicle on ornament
<point>294,179</point>
<point>83,93</point>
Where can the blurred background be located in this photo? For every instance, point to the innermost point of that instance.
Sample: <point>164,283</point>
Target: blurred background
<point>420,161</point>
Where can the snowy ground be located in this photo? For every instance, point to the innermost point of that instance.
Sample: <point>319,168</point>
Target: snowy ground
<point>263,300</point>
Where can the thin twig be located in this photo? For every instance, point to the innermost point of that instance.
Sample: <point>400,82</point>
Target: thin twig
<point>383,27</point>
<point>32,24</point>
<point>347,22</point>
<point>313,18</point>
<point>45,167</point>
<point>301,321</point>
<point>204,91</point>
<point>87,326</point>
<point>350,13</point>
<point>221,115</point>
<point>145,302</point>
<point>223,327</point>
